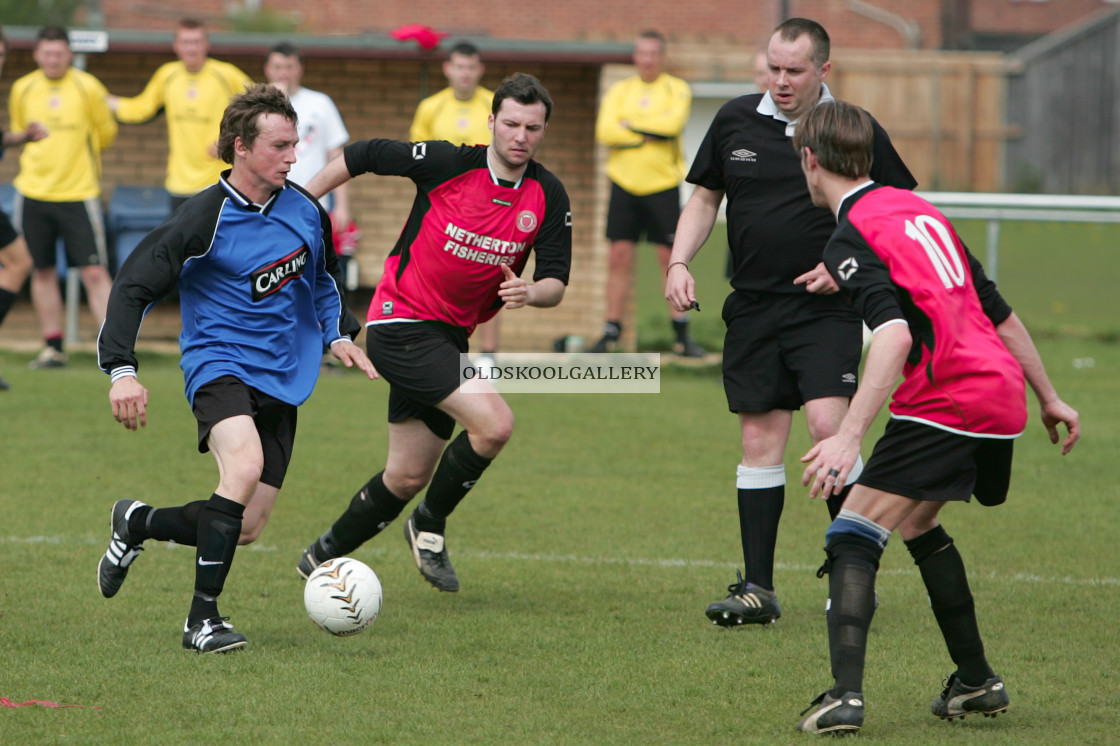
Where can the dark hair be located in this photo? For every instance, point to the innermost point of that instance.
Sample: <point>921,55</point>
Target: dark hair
<point>655,35</point>
<point>53,33</point>
<point>840,135</point>
<point>465,48</point>
<point>285,49</point>
<point>794,28</point>
<point>191,23</point>
<point>240,117</point>
<point>524,89</point>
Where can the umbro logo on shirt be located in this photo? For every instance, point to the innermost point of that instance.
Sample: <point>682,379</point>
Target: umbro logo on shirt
<point>742,154</point>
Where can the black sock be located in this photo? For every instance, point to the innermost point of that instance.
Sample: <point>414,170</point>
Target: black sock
<point>458,471</point>
<point>54,342</point>
<point>835,502</point>
<point>612,329</point>
<point>854,562</point>
<point>680,329</point>
<point>179,524</point>
<point>944,575</point>
<point>759,513</point>
<point>219,525</point>
<point>371,509</point>
<point>7,298</point>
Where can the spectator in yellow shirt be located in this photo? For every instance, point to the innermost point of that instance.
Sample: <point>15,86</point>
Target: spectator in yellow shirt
<point>193,92</point>
<point>641,121</point>
<point>58,188</point>
<point>459,114</point>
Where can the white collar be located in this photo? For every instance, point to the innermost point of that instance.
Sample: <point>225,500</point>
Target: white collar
<point>855,189</point>
<point>768,108</point>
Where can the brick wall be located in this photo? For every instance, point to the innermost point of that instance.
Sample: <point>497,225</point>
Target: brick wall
<point>377,99</point>
<point>1031,16</point>
<point>745,22</point>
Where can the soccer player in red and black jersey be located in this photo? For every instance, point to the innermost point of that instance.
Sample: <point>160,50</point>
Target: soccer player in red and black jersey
<point>479,211</point>
<point>965,359</point>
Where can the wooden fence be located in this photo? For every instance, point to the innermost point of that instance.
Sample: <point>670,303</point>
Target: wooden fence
<point>945,111</point>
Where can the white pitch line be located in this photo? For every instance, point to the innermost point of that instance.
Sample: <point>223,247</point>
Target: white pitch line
<point>1019,577</point>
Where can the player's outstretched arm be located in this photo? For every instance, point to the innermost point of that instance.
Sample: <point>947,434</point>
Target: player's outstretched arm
<point>1054,411</point>
<point>129,400</point>
<point>334,174</point>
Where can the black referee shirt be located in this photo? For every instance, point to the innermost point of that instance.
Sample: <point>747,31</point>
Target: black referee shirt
<point>775,231</point>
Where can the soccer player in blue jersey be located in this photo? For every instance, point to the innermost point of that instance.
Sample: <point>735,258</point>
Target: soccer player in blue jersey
<point>261,297</point>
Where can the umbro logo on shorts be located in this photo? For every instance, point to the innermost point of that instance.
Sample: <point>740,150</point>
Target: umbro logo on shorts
<point>848,268</point>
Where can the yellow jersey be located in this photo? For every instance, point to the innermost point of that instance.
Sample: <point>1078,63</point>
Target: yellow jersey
<point>194,104</point>
<point>66,165</point>
<point>444,117</point>
<point>661,108</point>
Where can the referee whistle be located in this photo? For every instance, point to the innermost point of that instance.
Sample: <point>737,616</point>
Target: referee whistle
<point>694,305</point>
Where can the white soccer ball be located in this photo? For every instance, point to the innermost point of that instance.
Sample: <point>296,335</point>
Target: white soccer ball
<point>342,596</point>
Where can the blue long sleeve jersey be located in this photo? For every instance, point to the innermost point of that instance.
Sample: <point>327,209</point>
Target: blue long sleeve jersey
<point>259,291</point>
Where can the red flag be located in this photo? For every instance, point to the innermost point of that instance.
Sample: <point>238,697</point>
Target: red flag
<point>426,36</point>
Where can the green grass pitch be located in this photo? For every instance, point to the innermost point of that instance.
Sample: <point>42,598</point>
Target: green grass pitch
<point>587,554</point>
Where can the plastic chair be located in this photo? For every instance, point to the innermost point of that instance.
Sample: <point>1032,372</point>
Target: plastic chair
<point>134,211</point>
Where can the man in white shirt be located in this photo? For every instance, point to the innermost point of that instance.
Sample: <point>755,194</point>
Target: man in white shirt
<point>321,131</point>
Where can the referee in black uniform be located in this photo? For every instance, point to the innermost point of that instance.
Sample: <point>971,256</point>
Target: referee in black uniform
<point>791,341</point>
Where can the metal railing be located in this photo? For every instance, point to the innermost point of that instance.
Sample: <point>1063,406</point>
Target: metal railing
<point>995,208</point>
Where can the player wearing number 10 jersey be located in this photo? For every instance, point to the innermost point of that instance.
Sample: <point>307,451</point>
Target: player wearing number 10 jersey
<point>899,260</point>
<point>965,359</point>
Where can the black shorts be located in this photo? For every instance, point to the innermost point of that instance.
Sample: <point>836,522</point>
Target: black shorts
<point>781,351</point>
<point>229,396</point>
<point>7,230</point>
<point>421,363</point>
<point>79,224</point>
<point>655,215</point>
<point>923,462</point>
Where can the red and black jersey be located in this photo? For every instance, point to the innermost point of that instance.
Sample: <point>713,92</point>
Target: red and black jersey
<point>464,225</point>
<point>897,257</point>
